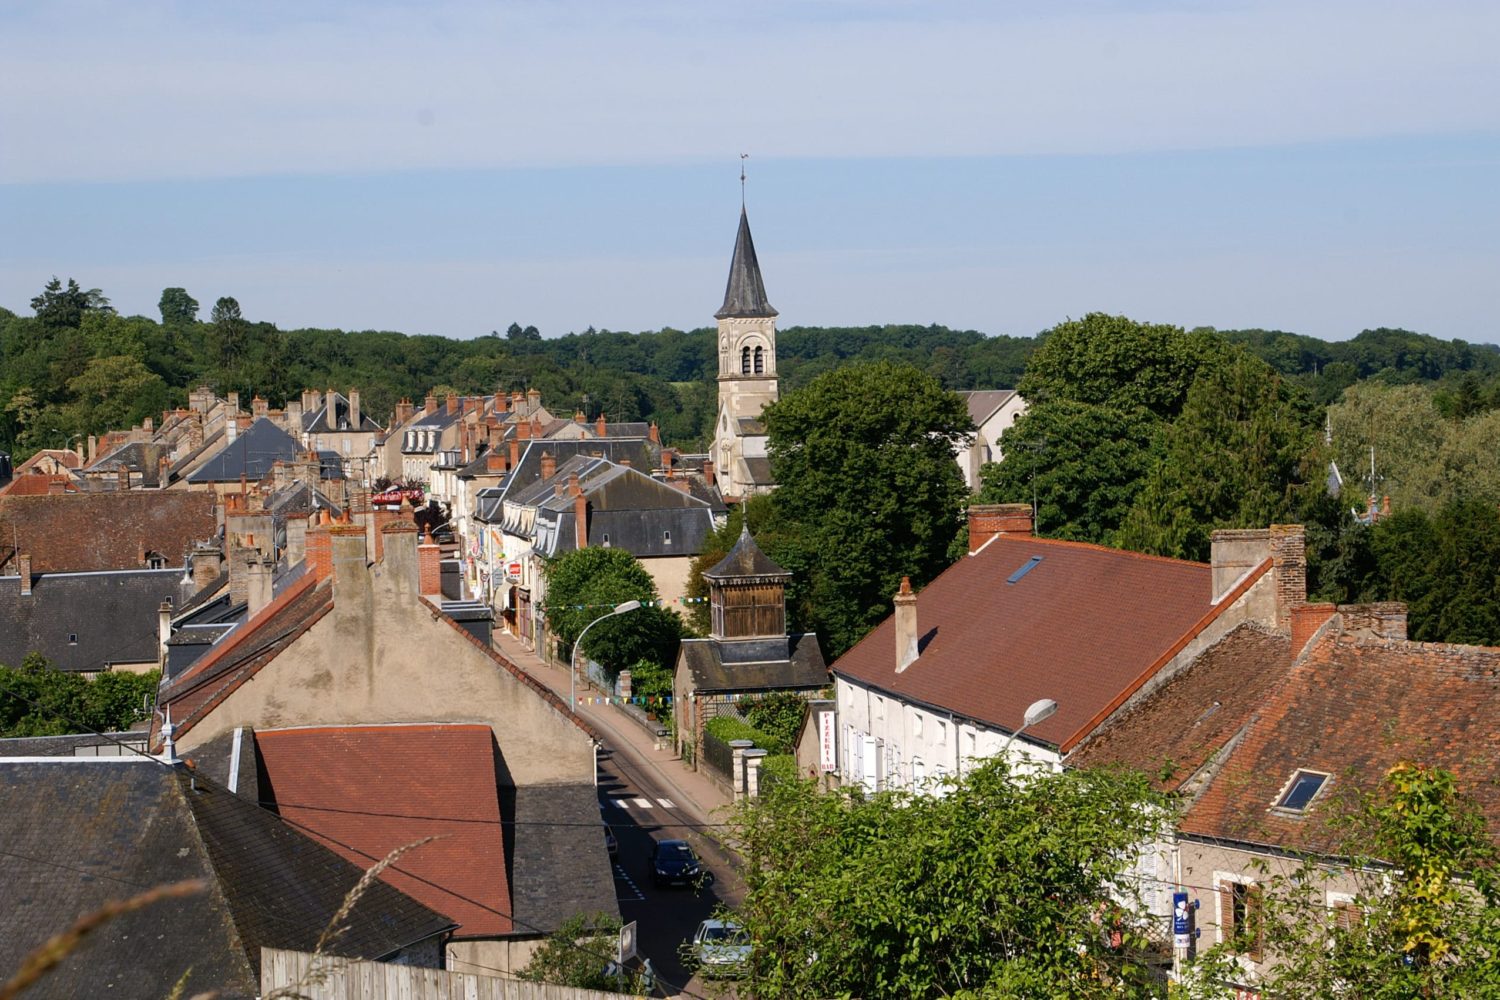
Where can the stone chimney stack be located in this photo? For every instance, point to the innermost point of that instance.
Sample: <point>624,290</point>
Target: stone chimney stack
<point>429,405</point>
<point>205,565</point>
<point>259,407</point>
<point>1289,564</point>
<point>580,513</point>
<point>56,486</point>
<point>122,476</point>
<point>549,466</point>
<point>405,410</point>
<point>986,520</point>
<point>233,401</point>
<point>258,589</point>
<point>452,403</point>
<point>906,625</point>
<point>93,448</point>
<point>23,569</point>
<point>533,400</point>
<point>355,416</point>
<point>163,631</point>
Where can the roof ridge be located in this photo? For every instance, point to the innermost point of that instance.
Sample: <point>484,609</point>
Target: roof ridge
<point>1070,543</point>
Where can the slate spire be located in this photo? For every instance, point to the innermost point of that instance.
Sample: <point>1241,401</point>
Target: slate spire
<point>745,295</point>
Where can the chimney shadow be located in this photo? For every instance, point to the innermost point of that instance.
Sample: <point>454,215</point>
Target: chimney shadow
<point>927,637</point>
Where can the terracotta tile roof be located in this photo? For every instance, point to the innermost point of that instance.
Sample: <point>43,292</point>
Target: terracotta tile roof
<point>89,532</point>
<point>34,484</point>
<point>1175,730</point>
<point>1082,627</point>
<point>1351,708</point>
<point>366,790</point>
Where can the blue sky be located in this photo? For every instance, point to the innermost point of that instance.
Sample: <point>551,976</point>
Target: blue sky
<point>450,167</point>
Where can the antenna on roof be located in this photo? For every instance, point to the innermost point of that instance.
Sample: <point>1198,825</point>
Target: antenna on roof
<point>743,158</point>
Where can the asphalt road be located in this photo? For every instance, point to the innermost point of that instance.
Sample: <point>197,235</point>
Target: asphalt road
<point>640,809</point>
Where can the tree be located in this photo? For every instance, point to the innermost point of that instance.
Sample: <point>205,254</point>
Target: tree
<point>515,332</point>
<point>114,392</point>
<point>1446,568</point>
<point>1424,920</point>
<point>585,584</point>
<point>1000,887</point>
<point>1083,462</point>
<point>37,700</point>
<point>869,489</point>
<point>580,954</point>
<point>178,308</point>
<point>59,307</point>
<point>229,333</point>
<point>1232,458</point>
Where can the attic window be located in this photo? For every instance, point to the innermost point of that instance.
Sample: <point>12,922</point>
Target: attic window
<point>1301,790</point>
<point>666,538</point>
<point>606,540</point>
<point>72,638</point>
<point>1030,565</point>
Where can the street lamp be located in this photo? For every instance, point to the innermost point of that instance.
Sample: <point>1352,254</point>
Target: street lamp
<point>620,609</point>
<point>1037,711</point>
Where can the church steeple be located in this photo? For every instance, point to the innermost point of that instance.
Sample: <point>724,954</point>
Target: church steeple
<point>745,294</point>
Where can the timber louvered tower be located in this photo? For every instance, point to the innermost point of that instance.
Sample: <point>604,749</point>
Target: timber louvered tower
<point>747,593</point>
<point>747,373</point>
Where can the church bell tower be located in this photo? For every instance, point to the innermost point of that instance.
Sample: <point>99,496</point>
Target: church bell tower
<point>747,373</point>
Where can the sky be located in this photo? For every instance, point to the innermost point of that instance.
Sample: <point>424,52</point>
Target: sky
<point>449,167</point>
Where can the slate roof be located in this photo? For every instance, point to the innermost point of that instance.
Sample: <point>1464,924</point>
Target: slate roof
<point>559,868</point>
<point>79,832</point>
<point>143,457</point>
<point>364,791</point>
<point>88,532</point>
<point>983,403</point>
<point>1181,726</point>
<point>1083,626</point>
<point>86,621</point>
<point>756,469</point>
<point>626,510</point>
<point>252,453</point>
<point>1351,708</point>
<point>745,292</point>
<point>528,471</point>
<point>333,417</point>
<point>794,662</point>
<point>745,560</point>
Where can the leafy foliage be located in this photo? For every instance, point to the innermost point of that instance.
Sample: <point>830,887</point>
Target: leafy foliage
<point>870,491</point>
<point>584,584</point>
<point>577,954</point>
<point>998,887</point>
<point>1424,918</point>
<point>40,701</point>
<point>779,716</point>
<point>727,727</point>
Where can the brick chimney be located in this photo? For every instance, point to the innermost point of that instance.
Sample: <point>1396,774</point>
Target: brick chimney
<point>600,427</point>
<point>429,405</point>
<point>56,486</point>
<point>906,625</point>
<point>429,567</point>
<point>580,513</point>
<point>515,452</point>
<point>579,418</point>
<point>405,410</point>
<point>986,520</point>
<point>523,430</point>
<point>452,403</point>
<point>122,476</point>
<point>708,472</point>
<point>1306,619</point>
<point>654,433</point>
<point>1289,566</point>
<point>320,548</point>
<point>494,463</point>
<point>355,414</point>
<point>536,426</point>
<point>1377,620</point>
<point>549,466</point>
<point>382,517</point>
<point>23,570</point>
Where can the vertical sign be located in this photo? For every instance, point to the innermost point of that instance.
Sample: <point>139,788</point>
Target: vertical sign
<point>1180,933</point>
<point>828,742</point>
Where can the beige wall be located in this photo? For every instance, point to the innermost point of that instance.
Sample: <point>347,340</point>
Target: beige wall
<point>670,574</point>
<point>489,958</point>
<point>382,657</point>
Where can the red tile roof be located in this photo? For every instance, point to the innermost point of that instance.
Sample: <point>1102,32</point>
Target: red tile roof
<point>90,532</point>
<point>1351,708</point>
<point>1176,729</point>
<point>365,790</point>
<point>1086,626</point>
<point>34,484</point>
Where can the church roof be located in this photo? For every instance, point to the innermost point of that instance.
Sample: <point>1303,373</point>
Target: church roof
<point>745,559</point>
<point>745,295</point>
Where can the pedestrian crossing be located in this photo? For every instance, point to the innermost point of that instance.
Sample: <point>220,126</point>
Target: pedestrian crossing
<point>637,802</point>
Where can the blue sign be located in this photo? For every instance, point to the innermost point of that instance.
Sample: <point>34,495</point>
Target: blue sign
<point>1180,919</point>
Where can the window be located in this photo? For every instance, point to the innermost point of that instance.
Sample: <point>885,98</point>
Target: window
<point>1240,918</point>
<point>942,733</point>
<point>606,540</point>
<point>1300,790</point>
<point>916,723</point>
<point>72,638</point>
<point>760,361</point>
<point>666,538</point>
<point>745,361</point>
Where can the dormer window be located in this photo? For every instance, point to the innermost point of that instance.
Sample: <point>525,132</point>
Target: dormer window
<point>1301,790</point>
<point>666,538</point>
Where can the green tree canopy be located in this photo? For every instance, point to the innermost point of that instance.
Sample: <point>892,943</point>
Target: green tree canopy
<point>36,700</point>
<point>583,585</point>
<point>869,489</point>
<point>177,307</point>
<point>999,887</point>
<point>65,307</point>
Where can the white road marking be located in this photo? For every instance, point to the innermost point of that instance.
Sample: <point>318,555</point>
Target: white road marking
<point>641,803</point>
<point>665,803</point>
<point>615,802</point>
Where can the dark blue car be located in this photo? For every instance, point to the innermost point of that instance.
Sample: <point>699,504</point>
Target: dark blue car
<point>674,863</point>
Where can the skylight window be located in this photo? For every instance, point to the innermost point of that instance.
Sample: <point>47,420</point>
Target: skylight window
<point>1300,791</point>
<point>1030,565</point>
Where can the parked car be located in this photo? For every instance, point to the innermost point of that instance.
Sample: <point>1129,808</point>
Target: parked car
<point>720,948</point>
<point>674,863</point>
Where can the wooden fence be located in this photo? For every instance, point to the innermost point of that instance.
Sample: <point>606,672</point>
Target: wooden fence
<point>344,979</point>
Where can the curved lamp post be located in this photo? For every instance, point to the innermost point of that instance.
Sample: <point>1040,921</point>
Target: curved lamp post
<point>1037,711</point>
<point>620,609</point>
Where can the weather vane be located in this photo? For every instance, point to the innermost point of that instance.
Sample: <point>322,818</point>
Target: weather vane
<point>743,158</point>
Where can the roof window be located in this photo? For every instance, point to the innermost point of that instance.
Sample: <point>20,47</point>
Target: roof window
<point>1030,565</point>
<point>1301,790</point>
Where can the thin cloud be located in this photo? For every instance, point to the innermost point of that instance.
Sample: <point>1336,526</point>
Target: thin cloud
<point>110,91</point>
